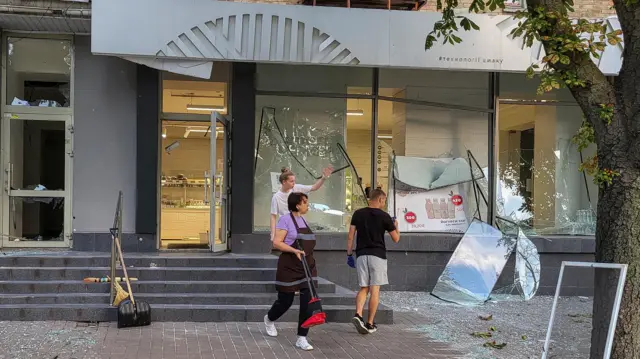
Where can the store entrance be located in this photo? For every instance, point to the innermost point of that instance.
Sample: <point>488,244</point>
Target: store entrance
<point>193,212</point>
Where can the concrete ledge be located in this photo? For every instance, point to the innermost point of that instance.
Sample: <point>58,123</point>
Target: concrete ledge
<point>101,242</point>
<point>414,242</point>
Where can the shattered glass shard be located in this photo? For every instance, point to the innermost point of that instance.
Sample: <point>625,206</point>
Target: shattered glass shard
<point>527,270</point>
<point>475,266</point>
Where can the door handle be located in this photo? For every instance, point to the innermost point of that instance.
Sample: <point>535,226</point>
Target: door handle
<point>9,175</point>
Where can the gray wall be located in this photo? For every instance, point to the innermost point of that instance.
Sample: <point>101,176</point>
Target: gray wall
<point>104,140</point>
<point>416,262</point>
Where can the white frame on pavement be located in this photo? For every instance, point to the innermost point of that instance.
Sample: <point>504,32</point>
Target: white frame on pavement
<point>616,303</point>
<point>17,113</point>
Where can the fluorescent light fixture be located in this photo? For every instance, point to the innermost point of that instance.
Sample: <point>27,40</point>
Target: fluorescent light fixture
<point>206,108</point>
<point>385,137</point>
<point>355,113</point>
<point>164,132</point>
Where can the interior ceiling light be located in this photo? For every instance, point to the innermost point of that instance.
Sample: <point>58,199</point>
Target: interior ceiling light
<point>210,108</point>
<point>385,137</point>
<point>164,132</point>
<point>355,113</point>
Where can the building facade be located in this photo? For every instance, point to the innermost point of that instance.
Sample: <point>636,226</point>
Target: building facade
<point>190,115</point>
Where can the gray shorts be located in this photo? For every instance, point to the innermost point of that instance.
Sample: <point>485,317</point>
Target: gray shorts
<point>372,270</point>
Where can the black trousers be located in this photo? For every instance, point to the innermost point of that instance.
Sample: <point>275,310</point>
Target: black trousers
<point>284,302</point>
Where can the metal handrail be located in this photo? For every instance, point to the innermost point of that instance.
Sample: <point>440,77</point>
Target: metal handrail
<point>117,229</point>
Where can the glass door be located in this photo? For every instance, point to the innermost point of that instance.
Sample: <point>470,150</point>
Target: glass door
<point>37,163</point>
<point>219,178</point>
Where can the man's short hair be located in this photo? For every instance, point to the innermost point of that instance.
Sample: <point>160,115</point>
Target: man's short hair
<point>376,193</point>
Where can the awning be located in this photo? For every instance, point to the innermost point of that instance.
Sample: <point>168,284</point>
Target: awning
<point>270,33</point>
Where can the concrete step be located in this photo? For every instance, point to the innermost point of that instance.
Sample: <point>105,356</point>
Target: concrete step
<point>167,298</point>
<point>77,286</point>
<point>100,259</point>
<point>142,273</point>
<point>174,313</point>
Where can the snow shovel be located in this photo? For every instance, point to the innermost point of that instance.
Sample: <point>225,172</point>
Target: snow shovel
<point>316,315</point>
<point>131,313</point>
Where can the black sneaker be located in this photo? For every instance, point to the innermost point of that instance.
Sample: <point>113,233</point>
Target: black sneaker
<point>371,328</point>
<point>358,322</point>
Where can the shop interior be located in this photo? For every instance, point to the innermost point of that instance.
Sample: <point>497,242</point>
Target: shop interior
<point>536,159</point>
<point>185,161</point>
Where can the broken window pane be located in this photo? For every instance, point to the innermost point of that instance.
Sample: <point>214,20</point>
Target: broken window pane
<point>37,154</point>
<point>539,182</point>
<point>475,265</point>
<point>36,219</point>
<point>305,138</point>
<point>38,72</point>
<point>527,269</point>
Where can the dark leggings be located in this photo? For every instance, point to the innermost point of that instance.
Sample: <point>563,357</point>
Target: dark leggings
<point>283,303</point>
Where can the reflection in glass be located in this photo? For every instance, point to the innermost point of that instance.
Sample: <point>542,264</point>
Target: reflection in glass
<point>305,143</point>
<point>36,219</point>
<point>475,265</point>
<point>38,72</point>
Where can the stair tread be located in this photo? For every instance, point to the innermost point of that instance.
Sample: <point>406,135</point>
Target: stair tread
<point>147,268</point>
<point>174,306</point>
<point>76,281</point>
<point>160,295</point>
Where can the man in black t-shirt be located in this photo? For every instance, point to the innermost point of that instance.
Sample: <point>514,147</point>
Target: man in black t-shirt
<point>370,224</point>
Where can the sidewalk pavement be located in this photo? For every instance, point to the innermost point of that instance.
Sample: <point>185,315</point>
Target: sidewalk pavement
<point>220,341</point>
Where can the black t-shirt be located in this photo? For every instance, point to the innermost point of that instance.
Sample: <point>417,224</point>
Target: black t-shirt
<point>371,224</point>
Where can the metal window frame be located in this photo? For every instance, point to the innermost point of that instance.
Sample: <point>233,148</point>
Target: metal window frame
<point>614,311</point>
<point>52,112</point>
<point>375,97</point>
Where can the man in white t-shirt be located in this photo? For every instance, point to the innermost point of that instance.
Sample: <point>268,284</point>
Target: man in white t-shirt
<point>287,186</point>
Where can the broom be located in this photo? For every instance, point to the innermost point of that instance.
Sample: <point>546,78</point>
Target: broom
<point>130,313</point>
<point>316,315</point>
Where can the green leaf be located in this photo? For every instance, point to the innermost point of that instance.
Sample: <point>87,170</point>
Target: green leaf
<point>473,25</point>
<point>465,24</point>
<point>456,39</point>
<point>429,42</point>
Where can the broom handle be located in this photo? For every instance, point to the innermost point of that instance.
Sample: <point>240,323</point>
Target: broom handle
<point>124,269</point>
<point>307,272</point>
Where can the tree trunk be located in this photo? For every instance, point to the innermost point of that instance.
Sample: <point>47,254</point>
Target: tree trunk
<point>618,241</point>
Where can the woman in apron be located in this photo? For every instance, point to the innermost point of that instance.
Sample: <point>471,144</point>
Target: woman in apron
<point>290,275</point>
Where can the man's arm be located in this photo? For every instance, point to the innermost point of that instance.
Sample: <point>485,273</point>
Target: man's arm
<point>273,226</point>
<point>393,230</point>
<point>350,236</point>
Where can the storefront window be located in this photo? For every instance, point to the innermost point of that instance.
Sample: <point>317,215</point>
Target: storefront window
<point>469,89</point>
<point>193,96</point>
<point>540,186</point>
<point>38,72</point>
<point>437,178</point>
<point>314,79</point>
<point>306,135</point>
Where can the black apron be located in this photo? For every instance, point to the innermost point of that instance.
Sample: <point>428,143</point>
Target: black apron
<point>290,275</point>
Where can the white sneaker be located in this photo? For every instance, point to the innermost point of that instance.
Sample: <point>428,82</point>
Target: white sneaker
<point>303,344</point>
<point>271,327</point>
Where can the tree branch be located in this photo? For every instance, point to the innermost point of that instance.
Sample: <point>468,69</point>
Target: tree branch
<point>597,89</point>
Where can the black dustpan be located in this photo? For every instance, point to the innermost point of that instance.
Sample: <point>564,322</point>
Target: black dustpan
<point>131,313</point>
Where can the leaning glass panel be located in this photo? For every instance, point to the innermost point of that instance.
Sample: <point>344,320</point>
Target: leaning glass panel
<point>475,265</point>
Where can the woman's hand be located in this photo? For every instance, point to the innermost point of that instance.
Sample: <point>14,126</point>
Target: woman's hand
<point>327,171</point>
<point>298,254</point>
